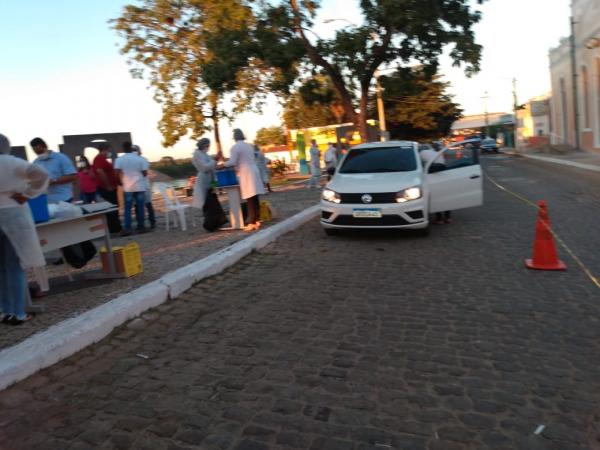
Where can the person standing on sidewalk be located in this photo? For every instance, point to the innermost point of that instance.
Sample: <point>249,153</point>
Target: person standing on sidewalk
<point>315,165</point>
<point>108,183</point>
<point>148,193</point>
<point>60,169</point>
<point>87,181</point>
<point>132,169</point>
<point>251,185</point>
<point>330,158</point>
<point>19,243</point>
<point>205,166</point>
<point>263,166</point>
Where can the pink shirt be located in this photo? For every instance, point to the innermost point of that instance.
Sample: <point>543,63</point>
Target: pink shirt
<point>87,182</point>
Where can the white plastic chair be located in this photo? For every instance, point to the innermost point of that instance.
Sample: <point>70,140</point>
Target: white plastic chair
<point>172,205</point>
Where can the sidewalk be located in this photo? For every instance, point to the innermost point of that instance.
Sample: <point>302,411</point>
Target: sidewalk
<point>162,252</point>
<point>580,160</point>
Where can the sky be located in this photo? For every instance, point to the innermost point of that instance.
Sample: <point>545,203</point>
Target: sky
<point>62,73</point>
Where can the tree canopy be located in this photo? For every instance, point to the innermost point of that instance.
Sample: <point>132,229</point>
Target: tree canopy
<point>417,106</point>
<point>196,51</point>
<point>270,135</point>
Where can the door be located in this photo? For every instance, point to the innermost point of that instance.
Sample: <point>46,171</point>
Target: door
<point>455,180</point>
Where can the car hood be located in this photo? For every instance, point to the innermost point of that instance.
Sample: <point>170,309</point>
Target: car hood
<point>358,183</point>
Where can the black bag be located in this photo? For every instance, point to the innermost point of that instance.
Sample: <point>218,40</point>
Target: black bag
<point>78,255</point>
<point>214,216</point>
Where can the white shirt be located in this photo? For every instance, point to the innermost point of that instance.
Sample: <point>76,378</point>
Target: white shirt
<point>330,157</point>
<point>132,167</point>
<point>429,155</point>
<point>17,176</point>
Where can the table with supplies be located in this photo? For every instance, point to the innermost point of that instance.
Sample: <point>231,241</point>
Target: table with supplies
<point>58,233</point>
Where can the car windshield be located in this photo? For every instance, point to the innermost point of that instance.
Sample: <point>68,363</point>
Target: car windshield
<point>488,141</point>
<point>380,159</point>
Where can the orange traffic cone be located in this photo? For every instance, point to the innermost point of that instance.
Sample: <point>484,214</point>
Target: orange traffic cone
<point>544,250</point>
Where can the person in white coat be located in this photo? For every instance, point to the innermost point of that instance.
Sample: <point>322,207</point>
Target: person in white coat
<point>263,166</point>
<point>205,166</point>
<point>19,243</point>
<point>315,165</point>
<point>331,160</point>
<point>251,184</point>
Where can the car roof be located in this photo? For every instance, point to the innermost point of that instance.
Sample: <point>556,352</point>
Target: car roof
<point>466,141</point>
<point>387,144</point>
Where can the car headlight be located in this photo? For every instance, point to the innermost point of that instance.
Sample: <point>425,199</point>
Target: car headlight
<point>406,195</point>
<point>331,196</point>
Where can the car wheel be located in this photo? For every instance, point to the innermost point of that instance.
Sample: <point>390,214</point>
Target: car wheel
<point>331,232</point>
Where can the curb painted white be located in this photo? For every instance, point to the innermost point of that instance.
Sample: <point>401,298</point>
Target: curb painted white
<point>70,336</point>
<point>562,162</point>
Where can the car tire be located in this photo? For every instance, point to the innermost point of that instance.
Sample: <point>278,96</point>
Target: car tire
<point>331,232</point>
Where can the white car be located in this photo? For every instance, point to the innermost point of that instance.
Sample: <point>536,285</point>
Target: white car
<point>386,185</point>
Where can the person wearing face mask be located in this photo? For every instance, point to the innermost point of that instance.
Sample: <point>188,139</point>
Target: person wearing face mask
<point>19,243</point>
<point>60,169</point>
<point>148,194</point>
<point>205,165</point>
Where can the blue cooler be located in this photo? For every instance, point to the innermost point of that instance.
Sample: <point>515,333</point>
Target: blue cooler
<point>226,177</point>
<point>39,208</point>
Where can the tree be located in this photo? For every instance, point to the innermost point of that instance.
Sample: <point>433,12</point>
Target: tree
<point>417,106</point>
<point>193,52</point>
<point>270,135</point>
<point>315,103</point>
<point>393,32</point>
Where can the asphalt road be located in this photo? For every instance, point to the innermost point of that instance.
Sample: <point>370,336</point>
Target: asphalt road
<point>365,341</point>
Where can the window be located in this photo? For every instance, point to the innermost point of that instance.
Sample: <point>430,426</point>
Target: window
<point>586,97</point>
<point>563,109</point>
<point>381,159</point>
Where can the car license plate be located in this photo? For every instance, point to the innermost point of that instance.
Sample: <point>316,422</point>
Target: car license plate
<point>366,212</point>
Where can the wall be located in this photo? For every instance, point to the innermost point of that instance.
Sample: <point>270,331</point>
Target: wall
<point>587,15</point>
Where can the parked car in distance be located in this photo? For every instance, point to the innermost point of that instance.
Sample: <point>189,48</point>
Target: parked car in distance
<point>489,145</point>
<point>386,185</point>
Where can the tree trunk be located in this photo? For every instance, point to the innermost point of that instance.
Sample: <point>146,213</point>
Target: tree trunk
<point>215,119</point>
<point>362,116</point>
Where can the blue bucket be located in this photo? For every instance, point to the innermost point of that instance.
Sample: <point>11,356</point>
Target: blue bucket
<point>39,208</point>
<point>226,177</point>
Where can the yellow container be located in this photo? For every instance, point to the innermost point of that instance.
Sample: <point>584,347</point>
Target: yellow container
<point>128,259</point>
<point>266,211</point>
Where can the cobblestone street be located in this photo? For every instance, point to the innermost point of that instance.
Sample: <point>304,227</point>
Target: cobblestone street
<point>364,341</point>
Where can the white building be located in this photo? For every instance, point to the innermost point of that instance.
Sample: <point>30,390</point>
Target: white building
<point>586,14</point>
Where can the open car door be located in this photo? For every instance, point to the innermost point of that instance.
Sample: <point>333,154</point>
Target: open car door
<point>455,180</point>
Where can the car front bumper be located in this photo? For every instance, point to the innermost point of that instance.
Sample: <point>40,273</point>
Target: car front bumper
<point>410,215</point>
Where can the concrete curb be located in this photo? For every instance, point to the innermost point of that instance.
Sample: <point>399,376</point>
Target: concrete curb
<point>70,336</point>
<point>562,162</point>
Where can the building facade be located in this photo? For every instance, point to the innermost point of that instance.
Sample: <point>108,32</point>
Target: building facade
<point>534,124</point>
<point>586,14</point>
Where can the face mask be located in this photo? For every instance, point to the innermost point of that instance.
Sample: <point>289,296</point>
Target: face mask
<point>44,155</point>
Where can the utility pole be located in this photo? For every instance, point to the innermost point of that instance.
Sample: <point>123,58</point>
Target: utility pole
<point>380,109</point>
<point>574,81</point>
<point>515,110</point>
<point>487,121</point>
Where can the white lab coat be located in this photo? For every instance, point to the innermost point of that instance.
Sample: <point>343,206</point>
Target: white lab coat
<point>242,158</point>
<point>315,161</point>
<point>16,222</point>
<point>262,163</point>
<point>205,166</point>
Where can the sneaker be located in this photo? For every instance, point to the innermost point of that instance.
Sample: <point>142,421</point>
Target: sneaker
<point>15,321</point>
<point>124,233</point>
<point>6,318</point>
